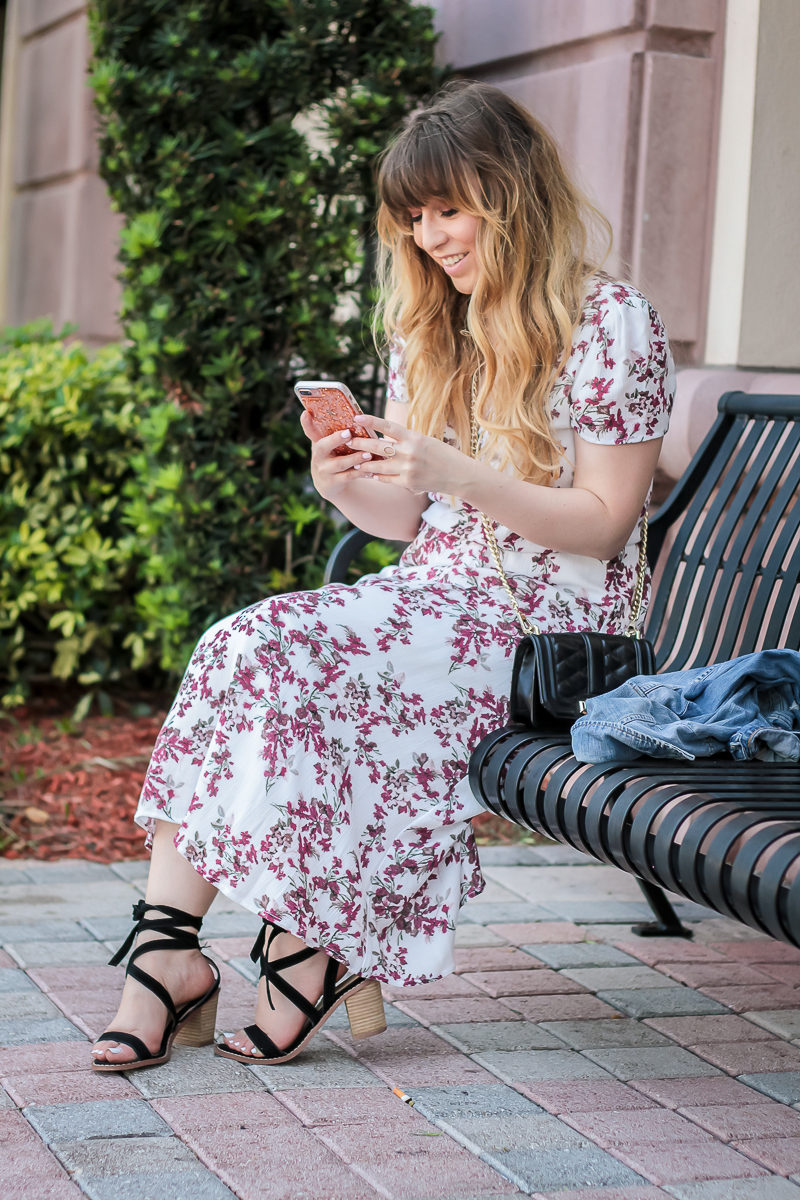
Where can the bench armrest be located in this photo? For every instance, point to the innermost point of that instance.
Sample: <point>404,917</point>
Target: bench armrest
<point>343,553</point>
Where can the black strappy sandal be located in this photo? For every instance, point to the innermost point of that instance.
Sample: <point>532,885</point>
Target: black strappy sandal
<point>192,1024</point>
<point>362,998</point>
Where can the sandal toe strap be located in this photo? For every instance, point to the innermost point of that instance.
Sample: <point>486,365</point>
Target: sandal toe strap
<point>127,1039</point>
<point>263,1042</point>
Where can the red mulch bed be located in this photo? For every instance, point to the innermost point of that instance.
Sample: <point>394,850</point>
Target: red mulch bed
<point>71,791</point>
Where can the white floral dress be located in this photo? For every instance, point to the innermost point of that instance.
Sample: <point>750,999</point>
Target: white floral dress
<point>315,756</point>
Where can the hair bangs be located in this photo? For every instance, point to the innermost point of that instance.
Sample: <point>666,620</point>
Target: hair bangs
<point>423,164</point>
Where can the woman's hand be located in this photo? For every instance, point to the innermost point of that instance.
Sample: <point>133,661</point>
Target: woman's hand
<point>331,472</point>
<point>410,460</point>
<point>381,511</point>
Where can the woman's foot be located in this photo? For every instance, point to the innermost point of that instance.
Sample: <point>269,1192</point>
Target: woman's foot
<point>185,973</point>
<point>281,1020</point>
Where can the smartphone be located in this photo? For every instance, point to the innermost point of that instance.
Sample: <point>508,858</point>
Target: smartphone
<point>331,405</point>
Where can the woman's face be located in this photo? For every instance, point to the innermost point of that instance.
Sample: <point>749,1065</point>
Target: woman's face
<point>448,236</point>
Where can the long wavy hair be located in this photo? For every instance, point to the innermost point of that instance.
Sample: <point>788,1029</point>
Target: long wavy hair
<point>484,154</point>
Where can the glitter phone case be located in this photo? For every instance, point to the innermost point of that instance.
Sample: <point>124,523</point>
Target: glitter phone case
<point>331,405</point>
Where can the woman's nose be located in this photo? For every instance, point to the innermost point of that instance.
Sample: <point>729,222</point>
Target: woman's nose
<point>432,234</point>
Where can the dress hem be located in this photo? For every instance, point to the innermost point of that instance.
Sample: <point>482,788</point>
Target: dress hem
<point>289,923</point>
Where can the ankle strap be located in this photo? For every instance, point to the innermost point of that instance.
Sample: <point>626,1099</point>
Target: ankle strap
<point>261,951</point>
<point>167,925</point>
<point>271,971</point>
<point>259,948</point>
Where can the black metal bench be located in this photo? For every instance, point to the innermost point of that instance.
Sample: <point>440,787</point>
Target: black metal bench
<point>726,549</point>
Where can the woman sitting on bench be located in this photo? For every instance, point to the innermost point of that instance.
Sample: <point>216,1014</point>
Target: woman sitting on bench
<point>313,764</point>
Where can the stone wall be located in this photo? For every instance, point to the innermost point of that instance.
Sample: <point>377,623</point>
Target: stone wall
<point>58,233</point>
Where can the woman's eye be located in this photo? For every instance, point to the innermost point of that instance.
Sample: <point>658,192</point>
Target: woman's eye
<point>415,218</point>
<point>449,212</point>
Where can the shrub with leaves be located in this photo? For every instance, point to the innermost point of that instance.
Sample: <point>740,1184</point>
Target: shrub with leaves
<point>238,141</point>
<point>69,431</point>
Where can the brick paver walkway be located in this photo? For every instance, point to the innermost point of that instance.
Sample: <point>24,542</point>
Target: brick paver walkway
<point>566,1058</point>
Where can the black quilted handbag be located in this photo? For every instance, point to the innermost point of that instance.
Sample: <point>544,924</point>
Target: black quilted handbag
<point>555,672</point>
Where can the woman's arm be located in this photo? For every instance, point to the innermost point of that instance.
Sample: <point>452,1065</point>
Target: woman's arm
<point>595,516</point>
<point>390,513</point>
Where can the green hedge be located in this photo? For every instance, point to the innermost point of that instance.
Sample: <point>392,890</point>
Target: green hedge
<point>238,139</point>
<point>149,490</point>
<point>83,523</point>
<point>69,432</point>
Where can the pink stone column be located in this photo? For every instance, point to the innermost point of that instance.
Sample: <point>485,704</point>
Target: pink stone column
<point>61,233</point>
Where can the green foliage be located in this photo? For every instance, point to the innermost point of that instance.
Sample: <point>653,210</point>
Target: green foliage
<point>238,140</point>
<point>68,433</point>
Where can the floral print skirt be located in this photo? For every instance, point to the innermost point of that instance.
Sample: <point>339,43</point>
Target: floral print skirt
<point>315,757</point>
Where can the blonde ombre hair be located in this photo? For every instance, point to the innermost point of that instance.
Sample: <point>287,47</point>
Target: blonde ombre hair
<point>484,154</point>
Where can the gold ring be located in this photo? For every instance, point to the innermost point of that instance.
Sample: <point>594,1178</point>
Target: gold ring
<point>389,450</point>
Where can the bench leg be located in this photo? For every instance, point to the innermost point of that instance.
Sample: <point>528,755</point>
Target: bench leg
<point>668,923</point>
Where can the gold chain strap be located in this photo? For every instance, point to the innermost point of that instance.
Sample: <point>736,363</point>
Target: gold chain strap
<point>530,627</point>
<point>641,570</point>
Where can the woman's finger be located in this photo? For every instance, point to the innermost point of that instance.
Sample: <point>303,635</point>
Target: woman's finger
<point>390,428</point>
<point>347,462</point>
<point>384,455</point>
<point>381,466</point>
<point>371,445</point>
<point>333,441</point>
<point>316,435</point>
<point>308,427</point>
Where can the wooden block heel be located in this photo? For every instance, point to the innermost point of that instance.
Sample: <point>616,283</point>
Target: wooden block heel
<point>365,1011</point>
<point>198,1028</point>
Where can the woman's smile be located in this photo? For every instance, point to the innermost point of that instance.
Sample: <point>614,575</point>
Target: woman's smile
<point>452,260</point>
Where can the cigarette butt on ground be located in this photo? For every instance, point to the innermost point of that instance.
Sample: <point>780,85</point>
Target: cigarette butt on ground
<point>402,1096</point>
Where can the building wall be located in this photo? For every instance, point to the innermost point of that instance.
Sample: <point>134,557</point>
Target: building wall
<point>769,334</point>
<point>753,337</point>
<point>57,231</point>
<point>628,88</point>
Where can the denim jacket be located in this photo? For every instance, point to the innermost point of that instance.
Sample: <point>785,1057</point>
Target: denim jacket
<point>748,707</point>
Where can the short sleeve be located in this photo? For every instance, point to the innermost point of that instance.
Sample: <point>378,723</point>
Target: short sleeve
<point>396,376</point>
<point>623,380</point>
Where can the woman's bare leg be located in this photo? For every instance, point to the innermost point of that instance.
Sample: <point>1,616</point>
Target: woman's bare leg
<point>185,974</point>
